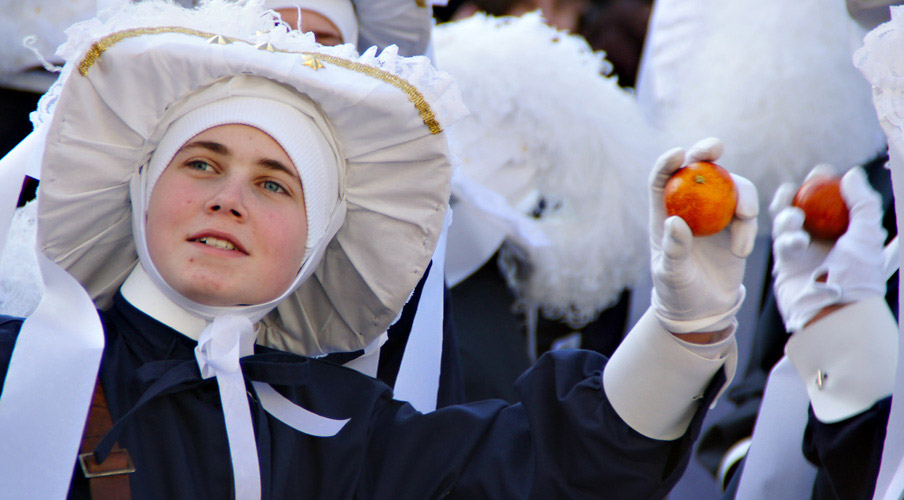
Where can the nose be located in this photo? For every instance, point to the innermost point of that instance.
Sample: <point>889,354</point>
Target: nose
<point>229,199</point>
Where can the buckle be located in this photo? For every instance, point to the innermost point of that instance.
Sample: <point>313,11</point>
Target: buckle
<point>117,462</point>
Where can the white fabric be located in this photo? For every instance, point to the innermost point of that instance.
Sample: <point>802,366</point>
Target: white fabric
<point>219,348</point>
<point>483,220</point>
<point>847,359</point>
<point>369,362</point>
<point>855,349</point>
<point>13,168</point>
<point>21,286</point>
<point>371,114</point>
<point>44,23</point>
<point>140,196</point>
<point>309,144</point>
<point>730,459</point>
<point>229,333</point>
<point>772,79</point>
<point>142,293</point>
<point>62,342</point>
<point>890,482</point>
<point>339,12</point>
<point>654,381</point>
<point>120,113</point>
<point>775,467</point>
<point>697,281</point>
<point>536,132</point>
<point>854,264</point>
<point>295,416</point>
<point>407,24</point>
<point>419,371</point>
<point>881,61</point>
<point>66,331</point>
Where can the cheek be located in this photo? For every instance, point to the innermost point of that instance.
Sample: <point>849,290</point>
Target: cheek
<point>286,233</point>
<point>168,208</point>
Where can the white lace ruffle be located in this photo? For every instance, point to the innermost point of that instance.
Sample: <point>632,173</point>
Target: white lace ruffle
<point>881,60</point>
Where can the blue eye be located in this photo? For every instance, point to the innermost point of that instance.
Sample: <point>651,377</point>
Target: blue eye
<point>273,186</point>
<point>200,165</point>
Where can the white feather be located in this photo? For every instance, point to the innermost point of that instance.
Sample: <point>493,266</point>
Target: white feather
<point>546,121</point>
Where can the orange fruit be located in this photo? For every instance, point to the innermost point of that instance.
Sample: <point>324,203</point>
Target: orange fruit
<point>702,194</point>
<point>825,213</point>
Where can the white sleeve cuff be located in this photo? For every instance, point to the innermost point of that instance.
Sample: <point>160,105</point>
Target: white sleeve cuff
<point>847,359</point>
<point>654,382</point>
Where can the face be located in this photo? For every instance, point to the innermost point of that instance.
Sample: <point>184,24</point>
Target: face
<point>226,221</point>
<point>325,32</point>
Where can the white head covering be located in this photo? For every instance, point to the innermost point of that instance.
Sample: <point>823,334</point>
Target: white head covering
<point>299,129</point>
<point>339,12</point>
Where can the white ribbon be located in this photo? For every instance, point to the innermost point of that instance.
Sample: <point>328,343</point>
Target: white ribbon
<point>53,367</point>
<point>418,379</point>
<point>295,416</point>
<point>775,466</point>
<point>48,389</point>
<point>219,348</point>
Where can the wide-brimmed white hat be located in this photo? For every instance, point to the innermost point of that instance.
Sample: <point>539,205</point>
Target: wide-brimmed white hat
<point>386,114</point>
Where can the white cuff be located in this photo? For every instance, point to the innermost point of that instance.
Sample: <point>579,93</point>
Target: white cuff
<point>654,383</point>
<point>847,359</point>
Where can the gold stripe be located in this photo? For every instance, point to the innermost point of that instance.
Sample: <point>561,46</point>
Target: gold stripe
<point>414,95</point>
<point>112,39</point>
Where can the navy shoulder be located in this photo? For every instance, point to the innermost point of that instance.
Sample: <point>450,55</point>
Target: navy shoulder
<point>9,331</point>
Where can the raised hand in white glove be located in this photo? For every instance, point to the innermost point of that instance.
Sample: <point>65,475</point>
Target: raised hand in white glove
<point>810,275</point>
<point>697,281</point>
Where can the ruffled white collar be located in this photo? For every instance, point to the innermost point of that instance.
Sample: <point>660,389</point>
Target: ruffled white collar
<point>142,293</point>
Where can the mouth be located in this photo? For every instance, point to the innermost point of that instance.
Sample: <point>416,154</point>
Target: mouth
<point>218,241</point>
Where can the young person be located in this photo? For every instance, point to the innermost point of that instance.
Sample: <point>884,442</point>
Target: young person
<point>196,171</point>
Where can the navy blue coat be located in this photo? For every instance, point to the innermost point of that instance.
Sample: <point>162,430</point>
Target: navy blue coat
<point>562,440</point>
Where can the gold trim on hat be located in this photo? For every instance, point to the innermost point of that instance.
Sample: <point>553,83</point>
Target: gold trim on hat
<point>414,95</point>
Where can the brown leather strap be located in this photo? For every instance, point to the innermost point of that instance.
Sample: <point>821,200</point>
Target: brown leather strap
<point>108,480</point>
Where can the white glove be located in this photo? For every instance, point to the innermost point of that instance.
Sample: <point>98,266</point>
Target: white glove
<point>697,281</point>
<point>854,267</point>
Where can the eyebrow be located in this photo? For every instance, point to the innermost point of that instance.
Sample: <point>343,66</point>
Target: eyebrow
<point>221,149</point>
<point>276,165</point>
<point>216,147</point>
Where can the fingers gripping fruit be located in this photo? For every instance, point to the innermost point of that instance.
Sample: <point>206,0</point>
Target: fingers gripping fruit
<point>704,195</point>
<point>825,213</point>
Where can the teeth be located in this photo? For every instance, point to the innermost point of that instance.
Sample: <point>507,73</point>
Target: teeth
<point>217,243</point>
